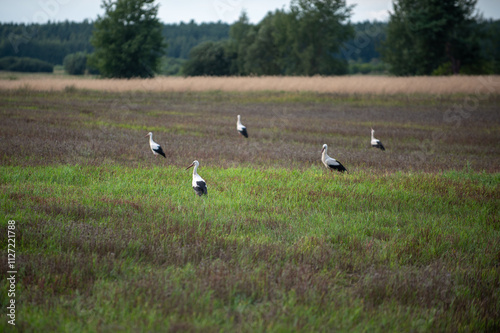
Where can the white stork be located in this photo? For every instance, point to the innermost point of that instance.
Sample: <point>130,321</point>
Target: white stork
<point>242,129</point>
<point>331,163</point>
<point>376,143</point>
<point>199,185</point>
<point>155,148</point>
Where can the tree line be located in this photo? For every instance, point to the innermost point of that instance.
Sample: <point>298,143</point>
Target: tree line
<point>311,37</point>
<point>52,41</point>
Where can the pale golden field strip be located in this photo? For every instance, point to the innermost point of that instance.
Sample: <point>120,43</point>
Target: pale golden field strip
<point>340,84</point>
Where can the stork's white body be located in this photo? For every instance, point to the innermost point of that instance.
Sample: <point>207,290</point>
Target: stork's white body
<point>241,129</point>
<point>376,143</point>
<point>155,148</point>
<point>198,183</point>
<point>196,177</point>
<point>331,163</point>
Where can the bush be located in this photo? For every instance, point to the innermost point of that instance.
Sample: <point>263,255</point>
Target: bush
<point>443,69</point>
<point>171,66</point>
<point>31,65</point>
<point>208,58</point>
<point>478,68</point>
<point>372,67</point>
<point>75,63</point>
<point>92,66</point>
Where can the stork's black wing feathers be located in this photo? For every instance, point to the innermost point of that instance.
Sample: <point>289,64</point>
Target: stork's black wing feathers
<point>201,188</point>
<point>339,167</point>
<point>379,145</point>
<point>244,132</point>
<point>160,151</point>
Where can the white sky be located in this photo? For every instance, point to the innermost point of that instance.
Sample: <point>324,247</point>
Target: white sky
<point>175,11</point>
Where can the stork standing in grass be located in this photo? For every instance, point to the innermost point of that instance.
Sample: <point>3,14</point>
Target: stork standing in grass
<point>331,163</point>
<point>242,129</point>
<point>199,185</point>
<point>155,148</point>
<point>376,143</point>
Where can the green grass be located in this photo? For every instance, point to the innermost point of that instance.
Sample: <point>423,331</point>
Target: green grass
<point>110,238</point>
<point>115,247</point>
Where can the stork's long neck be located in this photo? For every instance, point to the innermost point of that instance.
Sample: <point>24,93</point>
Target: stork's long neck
<point>151,138</point>
<point>239,122</point>
<point>372,134</point>
<point>323,155</point>
<point>195,171</point>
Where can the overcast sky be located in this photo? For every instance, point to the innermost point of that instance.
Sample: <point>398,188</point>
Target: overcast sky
<point>175,11</point>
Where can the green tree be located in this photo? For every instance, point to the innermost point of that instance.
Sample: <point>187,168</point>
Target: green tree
<point>303,41</point>
<point>263,55</point>
<point>128,39</point>
<point>241,35</point>
<point>423,35</point>
<point>490,45</point>
<point>75,63</point>
<point>321,28</point>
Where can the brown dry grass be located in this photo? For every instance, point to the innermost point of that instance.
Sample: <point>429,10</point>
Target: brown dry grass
<point>286,129</point>
<point>343,84</point>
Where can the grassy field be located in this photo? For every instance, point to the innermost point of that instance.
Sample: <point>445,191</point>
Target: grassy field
<point>110,238</point>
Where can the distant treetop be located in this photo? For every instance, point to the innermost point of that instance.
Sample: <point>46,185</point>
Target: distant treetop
<point>127,39</point>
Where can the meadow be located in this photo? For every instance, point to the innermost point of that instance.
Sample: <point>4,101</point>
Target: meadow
<point>110,238</point>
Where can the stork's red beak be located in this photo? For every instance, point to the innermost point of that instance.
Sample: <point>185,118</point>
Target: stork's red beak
<point>146,135</point>
<point>322,149</point>
<point>190,166</point>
